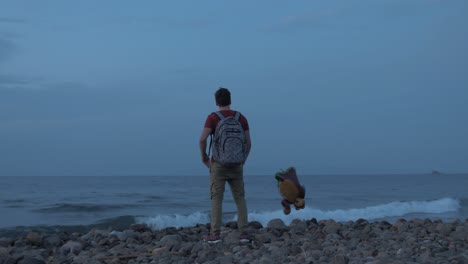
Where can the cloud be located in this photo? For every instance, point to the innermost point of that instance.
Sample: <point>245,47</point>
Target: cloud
<point>7,48</point>
<point>290,23</point>
<point>7,44</point>
<point>11,20</point>
<point>10,81</point>
<point>360,15</point>
<point>300,22</point>
<point>166,22</point>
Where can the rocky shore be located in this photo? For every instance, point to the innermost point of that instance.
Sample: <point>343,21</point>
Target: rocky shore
<point>311,241</point>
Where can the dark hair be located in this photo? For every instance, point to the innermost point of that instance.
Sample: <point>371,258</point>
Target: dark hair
<point>223,97</point>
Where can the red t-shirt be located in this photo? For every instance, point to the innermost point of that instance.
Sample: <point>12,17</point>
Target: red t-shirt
<point>213,119</point>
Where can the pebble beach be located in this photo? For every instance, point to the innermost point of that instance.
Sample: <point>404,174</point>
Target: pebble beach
<point>311,241</point>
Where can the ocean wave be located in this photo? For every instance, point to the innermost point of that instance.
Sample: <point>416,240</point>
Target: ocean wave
<point>175,220</point>
<point>15,203</point>
<point>138,195</point>
<point>382,211</point>
<point>77,208</point>
<point>9,201</point>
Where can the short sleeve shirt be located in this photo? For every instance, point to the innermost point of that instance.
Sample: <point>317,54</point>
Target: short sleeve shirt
<point>213,119</point>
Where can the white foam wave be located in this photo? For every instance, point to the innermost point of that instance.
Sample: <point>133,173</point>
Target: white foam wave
<point>176,220</point>
<point>393,209</point>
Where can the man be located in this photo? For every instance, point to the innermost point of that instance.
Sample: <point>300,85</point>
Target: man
<point>220,174</point>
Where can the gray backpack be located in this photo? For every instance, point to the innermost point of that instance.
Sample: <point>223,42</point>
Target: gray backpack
<point>229,142</point>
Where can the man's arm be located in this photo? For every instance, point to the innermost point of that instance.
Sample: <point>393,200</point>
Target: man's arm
<point>202,143</point>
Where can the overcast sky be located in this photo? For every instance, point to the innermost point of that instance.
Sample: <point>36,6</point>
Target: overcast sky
<point>330,87</point>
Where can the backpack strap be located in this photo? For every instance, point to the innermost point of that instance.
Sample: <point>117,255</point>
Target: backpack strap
<point>237,116</point>
<point>220,115</point>
<point>211,142</point>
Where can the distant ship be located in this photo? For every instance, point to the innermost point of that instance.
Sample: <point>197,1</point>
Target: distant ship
<point>436,172</point>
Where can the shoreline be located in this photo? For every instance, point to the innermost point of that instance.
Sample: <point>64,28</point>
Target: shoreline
<point>310,241</point>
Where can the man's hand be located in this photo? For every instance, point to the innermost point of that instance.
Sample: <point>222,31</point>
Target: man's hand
<point>206,160</point>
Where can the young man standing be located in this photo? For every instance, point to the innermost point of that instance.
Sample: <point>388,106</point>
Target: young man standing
<point>222,173</point>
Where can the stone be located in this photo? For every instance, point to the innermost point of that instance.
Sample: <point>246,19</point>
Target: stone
<point>171,238</point>
<point>340,259</point>
<point>265,237</point>
<point>196,248</point>
<point>186,249</point>
<point>444,229</point>
<point>360,223</point>
<point>73,247</point>
<point>6,242</point>
<point>265,259</point>
<point>225,260</point>
<point>31,260</point>
<point>139,227</point>
<point>146,237</point>
<point>331,228</point>
<point>462,258</point>
<point>404,252</point>
<point>298,227</point>
<point>126,234</point>
<point>316,254</point>
<point>53,240</point>
<point>255,225</point>
<point>34,239</point>
<point>460,233</point>
<point>401,226</point>
<point>276,224</point>
<point>320,234</point>
<point>207,255</point>
<point>8,260</point>
<point>157,252</point>
<point>231,225</point>
<point>353,242</point>
<point>4,252</point>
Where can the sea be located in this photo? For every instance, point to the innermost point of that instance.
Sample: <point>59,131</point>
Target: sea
<point>184,201</point>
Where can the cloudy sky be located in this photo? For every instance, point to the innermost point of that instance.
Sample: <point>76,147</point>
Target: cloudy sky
<point>332,87</point>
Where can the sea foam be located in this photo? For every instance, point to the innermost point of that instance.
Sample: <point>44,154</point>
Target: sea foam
<point>175,220</point>
<point>382,211</point>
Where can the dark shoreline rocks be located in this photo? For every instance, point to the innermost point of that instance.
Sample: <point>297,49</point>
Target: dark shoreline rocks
<point>311,241</point>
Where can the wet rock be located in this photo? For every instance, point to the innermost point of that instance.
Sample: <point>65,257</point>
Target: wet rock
<point>276,224</point>
<point>265,238</point>
<point>4,252</point>
<point>414,241</point>
<point>9,260</point>
<point>340,259</point>
<point>53,240</point>
<point>6,242</point>
<point>34,239</point>
<point>460,233</point>
<point>331,227</point>
<point>320,234</point>
<point>171,239</point>
<point>139,228</point>
<point>401,226</point>
<point>298,227</point>
<point>31,260</point>
<point>146,237</point>
<point>157,252</point>
<point>231,225</point>
<point>73,247</point>
<point>255,225</point>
